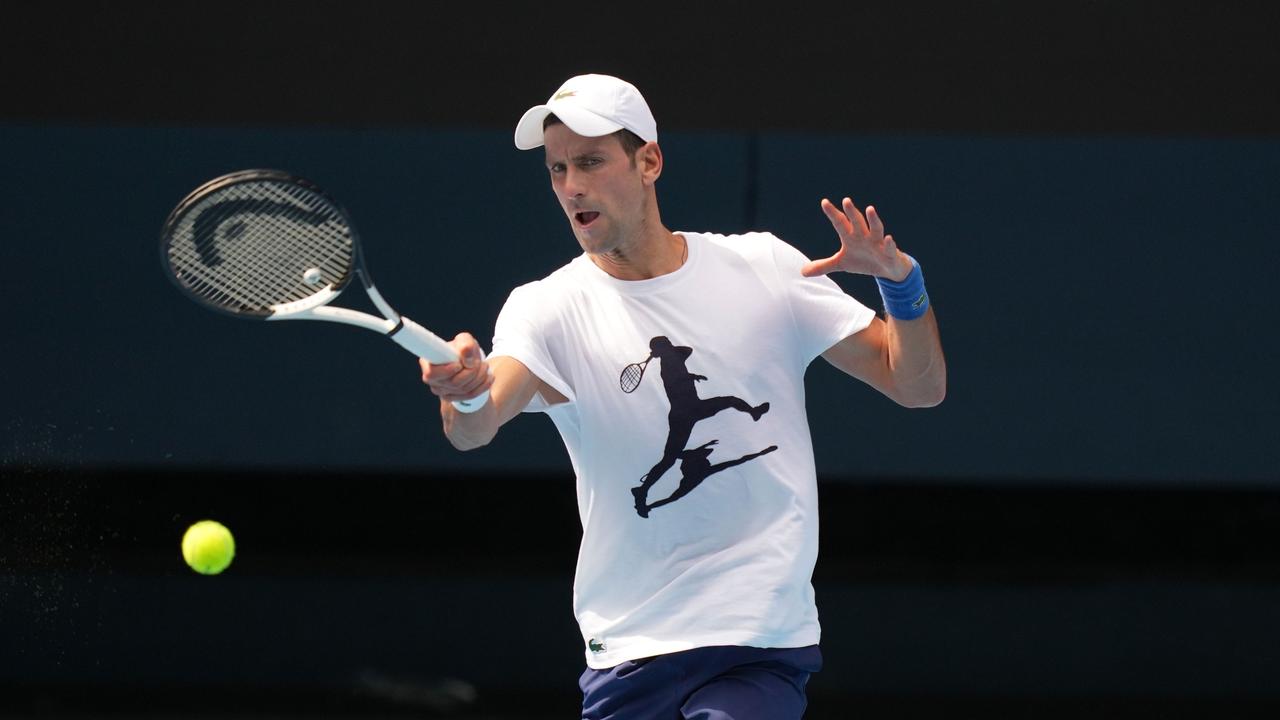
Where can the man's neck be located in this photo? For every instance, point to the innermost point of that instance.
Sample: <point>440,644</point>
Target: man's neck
<point>663,253</point>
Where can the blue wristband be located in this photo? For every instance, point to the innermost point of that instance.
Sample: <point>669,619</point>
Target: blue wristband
<point>906,300</point>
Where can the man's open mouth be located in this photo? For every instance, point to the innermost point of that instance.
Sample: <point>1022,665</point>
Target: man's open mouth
<point>586,218</point>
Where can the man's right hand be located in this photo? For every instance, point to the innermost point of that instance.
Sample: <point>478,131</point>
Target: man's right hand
<point>462,379</point>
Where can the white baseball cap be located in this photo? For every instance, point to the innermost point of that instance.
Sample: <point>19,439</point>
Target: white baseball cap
<point>590,105</point>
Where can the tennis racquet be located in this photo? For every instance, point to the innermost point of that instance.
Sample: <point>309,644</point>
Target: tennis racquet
<point>632,374</point>
<point>263,244</point>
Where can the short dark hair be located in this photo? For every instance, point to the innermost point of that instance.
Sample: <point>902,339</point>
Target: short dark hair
<point>630,141</point>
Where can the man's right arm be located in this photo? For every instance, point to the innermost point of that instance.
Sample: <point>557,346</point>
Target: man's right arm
<point>511,386</point>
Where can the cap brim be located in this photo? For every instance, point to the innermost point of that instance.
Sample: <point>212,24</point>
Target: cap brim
<point>583,122</point>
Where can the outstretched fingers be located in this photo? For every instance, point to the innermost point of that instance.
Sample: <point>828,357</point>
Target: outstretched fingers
<point>857,223</point>
<point>823,266</point>
<point>874,222</point>
<point>864,246</point>
<point>840,221</point>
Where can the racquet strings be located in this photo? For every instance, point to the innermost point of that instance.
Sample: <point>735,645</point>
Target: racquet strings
<point>247,246</point>
<point>631,374</point>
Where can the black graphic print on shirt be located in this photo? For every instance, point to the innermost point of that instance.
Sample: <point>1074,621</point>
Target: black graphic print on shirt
<point>687,409</point>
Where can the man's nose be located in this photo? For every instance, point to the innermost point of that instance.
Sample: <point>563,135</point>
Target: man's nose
<point>574,185</point>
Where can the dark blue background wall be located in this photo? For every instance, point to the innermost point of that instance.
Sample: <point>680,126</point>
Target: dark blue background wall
<point>1103,302</point>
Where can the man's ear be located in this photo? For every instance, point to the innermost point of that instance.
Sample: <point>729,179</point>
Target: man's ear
<point>649,158</point>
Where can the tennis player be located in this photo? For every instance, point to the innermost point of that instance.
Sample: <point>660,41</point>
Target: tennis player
<point>696,484</point>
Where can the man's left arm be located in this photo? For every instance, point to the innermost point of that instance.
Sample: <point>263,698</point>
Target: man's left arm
<point>901,356</point>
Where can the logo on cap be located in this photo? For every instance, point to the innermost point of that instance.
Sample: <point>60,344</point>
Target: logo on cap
<point>565,94</point>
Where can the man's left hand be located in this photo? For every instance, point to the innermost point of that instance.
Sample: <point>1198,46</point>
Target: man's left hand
<point>864,248</point>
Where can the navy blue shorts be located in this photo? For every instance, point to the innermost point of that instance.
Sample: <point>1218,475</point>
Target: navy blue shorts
<point>710,683</point>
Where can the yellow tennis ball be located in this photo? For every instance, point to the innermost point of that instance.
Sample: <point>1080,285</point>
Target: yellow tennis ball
<point>208,547</point>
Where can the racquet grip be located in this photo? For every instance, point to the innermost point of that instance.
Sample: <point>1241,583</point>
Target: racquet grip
<point>422,342</point>
<point>426,344</point>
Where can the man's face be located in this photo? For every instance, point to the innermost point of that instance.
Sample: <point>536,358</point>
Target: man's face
<point>599,186</point>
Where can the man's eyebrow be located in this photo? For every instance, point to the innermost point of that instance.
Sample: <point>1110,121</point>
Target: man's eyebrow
<point>575,158</point>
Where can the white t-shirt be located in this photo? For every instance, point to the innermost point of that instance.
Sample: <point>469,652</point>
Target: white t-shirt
<point>729,561</point>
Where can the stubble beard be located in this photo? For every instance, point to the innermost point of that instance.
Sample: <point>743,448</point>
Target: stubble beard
<point>617,245</point>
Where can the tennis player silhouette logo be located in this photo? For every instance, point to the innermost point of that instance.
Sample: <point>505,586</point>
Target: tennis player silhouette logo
<point>687,410</point>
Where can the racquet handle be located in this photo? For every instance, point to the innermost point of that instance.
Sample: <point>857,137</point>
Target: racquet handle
<point>426,344</point>
<point>423,343</point>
